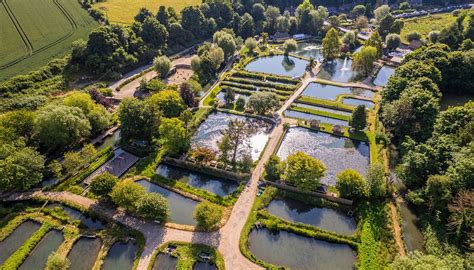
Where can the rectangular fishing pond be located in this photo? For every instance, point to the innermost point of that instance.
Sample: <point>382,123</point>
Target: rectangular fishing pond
<point>84,253</point>
<point>216,185</point>
<point>210,132</point>
<point>39,256</point>
<point>298,252</point>
<point>278,65</point>
<point>181,208</point>
<point>120,256</point>
<point>330,92</point>
<point>16,239</point>
<point>324,218</point>
<point>337,153</point>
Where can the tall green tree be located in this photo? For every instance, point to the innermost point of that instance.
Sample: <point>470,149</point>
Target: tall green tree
<point>351,184</point>
<point>168,102</point>
<point>103,184</point>
<point>358,120</point>
<point>153,206</point>
<point>377,184</point>
<point>137,120</point>
<point>304,171</point>
<point>364,60</point>
<point>290,45</point>
<point>173,136</point>
<point>207,215</point>
<point>20,167</point>
<point>274,168</point>
<point>59,126</point>
<point>331,45</point>
<point>263,102</point>
<point>126,193</point>
<point>375,41</point>
<point>237,136</point>
<point>162,66</point>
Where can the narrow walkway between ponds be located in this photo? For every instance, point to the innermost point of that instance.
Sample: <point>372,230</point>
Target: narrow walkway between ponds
<point>397,231</point>
<point>226,239</point>
<point>348,84</point>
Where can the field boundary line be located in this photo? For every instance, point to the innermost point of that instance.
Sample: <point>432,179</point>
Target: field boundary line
<point>33,52</point>
<point>28,48</point>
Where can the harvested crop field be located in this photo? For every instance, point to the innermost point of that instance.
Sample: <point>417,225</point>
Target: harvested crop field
<point>123,11</point>
<point>34,32</point>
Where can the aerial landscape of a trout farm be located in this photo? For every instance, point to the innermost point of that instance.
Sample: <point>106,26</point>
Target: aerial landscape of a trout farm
<point>237,134</point>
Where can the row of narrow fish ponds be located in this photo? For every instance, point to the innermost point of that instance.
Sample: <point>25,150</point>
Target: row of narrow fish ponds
<point>299,252</point>
<point>82,255</point>
<point>274,248</point>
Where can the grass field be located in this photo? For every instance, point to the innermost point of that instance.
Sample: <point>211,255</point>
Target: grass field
<point>123,11</point>
<point>426,24</point>
<point>33,32</point>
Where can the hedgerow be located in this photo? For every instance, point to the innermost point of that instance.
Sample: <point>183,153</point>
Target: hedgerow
<point>245,74</point>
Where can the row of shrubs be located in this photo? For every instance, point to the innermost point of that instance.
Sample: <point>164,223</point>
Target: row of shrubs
<point>249,93</point>
<point>262,83</point>
<point>325,103</point>
<point>239,85</point>
<point>322,113</point>
<point>25,83</point>
<point>245,74</point>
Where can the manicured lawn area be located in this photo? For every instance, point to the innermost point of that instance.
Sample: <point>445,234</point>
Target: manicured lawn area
<point>123,11</point>
<point>36,31</point>
<point>426,24</point>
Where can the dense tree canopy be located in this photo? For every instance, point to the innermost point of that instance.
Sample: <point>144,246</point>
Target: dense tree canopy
<point>153,206</point>
<point>351,184</point>
<point>60,126</point>
<point>207,215</point>
<point>126,193</point>
<point>103,184</point>
<point>263,102</point>
<point>303,171</point>
<point>173,136</point>
<point>331,45</point>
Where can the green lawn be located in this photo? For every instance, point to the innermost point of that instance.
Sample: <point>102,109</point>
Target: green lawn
<point>37,31</point>
<point>426,24</point>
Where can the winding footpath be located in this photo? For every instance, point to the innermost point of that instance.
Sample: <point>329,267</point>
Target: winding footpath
<point>226,239</point>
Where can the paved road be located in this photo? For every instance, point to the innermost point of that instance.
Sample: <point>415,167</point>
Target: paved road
<point>226,239</point>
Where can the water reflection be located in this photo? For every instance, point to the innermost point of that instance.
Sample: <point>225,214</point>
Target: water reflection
<point>309,49</point>
<point>90,223</point>
<point>383,75</point>
<point>309,117</point>
<point>298,252</point>
<point>39,256</point>
<point>337,153</point>
<point>181,208</point>
<point>330,92</point>
<point>218,186</point>
<point>14,241</point>
<point>84,253</point>
<point>120,256</point>
<point>165,262</point>
<point>324,109</point>
<point>356,102</point>
<point>338,71</point>
<point>278,65</point>
<point>209,132</point>
<point>325,218</point>
<point>203,266</point>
